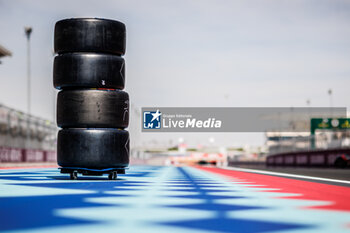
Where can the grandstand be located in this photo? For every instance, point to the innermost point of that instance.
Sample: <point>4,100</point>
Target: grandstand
<point>25,138</point>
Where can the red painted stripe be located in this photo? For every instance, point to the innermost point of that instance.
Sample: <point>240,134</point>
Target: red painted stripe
<point>338,195</point>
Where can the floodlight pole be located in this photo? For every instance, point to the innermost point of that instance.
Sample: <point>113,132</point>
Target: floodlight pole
<point>28,32</point>
<point>330,92</point>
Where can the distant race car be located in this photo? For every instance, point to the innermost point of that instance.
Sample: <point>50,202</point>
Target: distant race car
<point>342,161</point>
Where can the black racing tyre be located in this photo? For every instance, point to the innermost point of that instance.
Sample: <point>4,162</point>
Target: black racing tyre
<point>92,109</point>
<point>93,148</point>
<point>89,70</point>
<point>90,35</point>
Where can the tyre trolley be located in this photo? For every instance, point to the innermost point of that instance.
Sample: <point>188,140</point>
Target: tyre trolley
<point>74,171</point>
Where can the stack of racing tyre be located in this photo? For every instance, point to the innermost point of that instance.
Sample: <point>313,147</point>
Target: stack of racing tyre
<point>92,109</point>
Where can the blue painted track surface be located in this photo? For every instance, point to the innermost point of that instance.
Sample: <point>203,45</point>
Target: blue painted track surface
<point>152,199</point>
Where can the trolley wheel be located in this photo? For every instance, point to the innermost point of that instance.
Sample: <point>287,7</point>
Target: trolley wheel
<point>74,175</point>
<point>112,176</point>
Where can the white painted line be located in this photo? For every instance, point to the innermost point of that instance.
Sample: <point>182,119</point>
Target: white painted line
<point>285,174</point>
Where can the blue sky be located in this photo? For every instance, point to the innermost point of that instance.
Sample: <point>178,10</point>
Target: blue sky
<point>195,53</point>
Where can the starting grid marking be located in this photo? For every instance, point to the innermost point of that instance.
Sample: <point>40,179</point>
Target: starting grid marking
<point>158,199</point>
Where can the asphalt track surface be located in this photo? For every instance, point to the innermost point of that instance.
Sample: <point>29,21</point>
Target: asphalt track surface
<point>330,173</point>
<point>170,199</point>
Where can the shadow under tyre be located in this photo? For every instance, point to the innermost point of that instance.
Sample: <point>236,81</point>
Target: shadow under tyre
<point>90,35</point>
<point>92,109</point>
<point>89,70</point>
<point>93,148</point>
